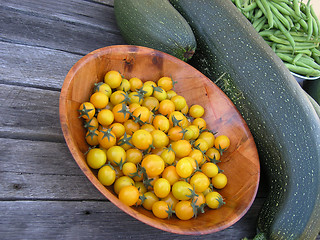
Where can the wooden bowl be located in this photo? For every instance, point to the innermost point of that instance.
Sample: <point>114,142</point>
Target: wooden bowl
<point>240,163</point>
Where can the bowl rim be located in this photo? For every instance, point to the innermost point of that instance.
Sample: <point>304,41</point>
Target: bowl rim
<point>89,174</point>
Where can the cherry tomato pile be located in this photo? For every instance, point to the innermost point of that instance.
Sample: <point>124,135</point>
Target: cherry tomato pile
<point>152,148</point>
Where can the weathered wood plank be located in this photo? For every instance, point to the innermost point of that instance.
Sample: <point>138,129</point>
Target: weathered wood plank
<point>29,113</point>
<point>34,66</point>
<point>44,170</point>
<point>94,220</point>
<point>73,26</point>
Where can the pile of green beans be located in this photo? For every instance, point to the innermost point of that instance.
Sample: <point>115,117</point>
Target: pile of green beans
<point>291,28</point>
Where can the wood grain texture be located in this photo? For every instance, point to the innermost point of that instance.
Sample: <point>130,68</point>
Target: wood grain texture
<point>72,26</point>
<point>94,220</point>
<point>30,113</point>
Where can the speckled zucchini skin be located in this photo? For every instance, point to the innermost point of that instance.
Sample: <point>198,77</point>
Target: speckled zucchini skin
<point>155,24</point>
<point>282,120</point>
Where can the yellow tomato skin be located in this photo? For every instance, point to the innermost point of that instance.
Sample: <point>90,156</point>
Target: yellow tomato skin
<point>99,100</point>
<point>96,158</point>
<point>196,111</point>
<point>160,122</point>
<point>142,139</point>
<point>181,190</point>
<point>87,110</point>
<point>222,142</point>
<point>113,79</point>
<point>160,209</point>
<point>214,200</point>
<point>160,139</point>
<point>210,169</point>
<point>208,137</point>
<point>182,148</point>
<point>171,174</point>
<point>151,198</point>
<point>200,182</point>
<point>219,181</point>
<point>184,168</point>
<point>153,164</point>
<point>161,187</point>
<point>122,182</point>
<point>184,210</point>
<point>129,195</point>
<point>106,175</point>
<point>166,83</point>
<point>105,117</point>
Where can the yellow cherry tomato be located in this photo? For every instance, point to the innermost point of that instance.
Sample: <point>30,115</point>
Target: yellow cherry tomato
<point>161,187</point>
<point>129,195</point>
<point>96,158</point>
<point>219,181</point>
<point>196,111</point>
<point>184,210</point>
<point>87,110</point>
<point>142,139</point>
<point>222,142</point>
<point>113,79</point>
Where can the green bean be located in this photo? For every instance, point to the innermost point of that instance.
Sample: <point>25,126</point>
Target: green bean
<point>305,52</point>
<point>295,16</point>
<point>303,70</point>
<point>316,58</point>
<point>309,21</point>
<point>296,7</point>
<point>316,52</point>
<point>313,14</point>
<point>299,47</point>
<point>237,3</point>
<point>250,7</point>
<point>289,20</point>
<point>267,33</point>
<point>278,1</point>
<point>297,38</point>
<point>260,25</point>
<point>258,14</point>
<point>286,33</point>
<point>310,61</point>
<point>258,21</point>
<point>268,14</point>
<point>297,58</point>
<point>315,28</point>
<point>281,18</point>
<point>280,8</point>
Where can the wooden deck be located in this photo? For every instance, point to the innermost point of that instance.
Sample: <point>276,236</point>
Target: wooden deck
<point>43,193</point>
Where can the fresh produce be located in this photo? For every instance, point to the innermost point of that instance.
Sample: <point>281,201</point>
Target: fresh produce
<point>282,120</point>
<point>152,148</point>
<point>291,28</point>
<point>155,24</point>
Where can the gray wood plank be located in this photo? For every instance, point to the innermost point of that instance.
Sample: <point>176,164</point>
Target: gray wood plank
<point>29,113</point>
<point>73,26</point>
<point>44,170</point>
<point>94,220</point>
<point>38,67</point>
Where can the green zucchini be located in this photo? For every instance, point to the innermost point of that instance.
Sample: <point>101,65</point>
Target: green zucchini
<point>312,87</point>
<point>282,120</point>
<point>155,24</point>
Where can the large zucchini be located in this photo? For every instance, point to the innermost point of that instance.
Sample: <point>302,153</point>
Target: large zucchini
<point>155,24</point>
<point>282,120</point>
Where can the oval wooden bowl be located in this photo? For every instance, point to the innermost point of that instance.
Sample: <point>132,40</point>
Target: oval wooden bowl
<point>240,163</point>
